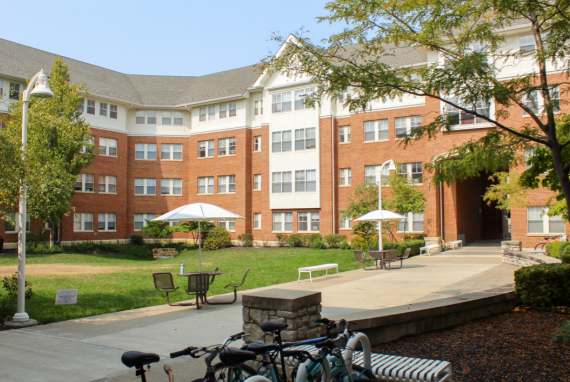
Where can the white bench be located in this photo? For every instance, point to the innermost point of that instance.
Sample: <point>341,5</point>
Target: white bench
<point>453,244</point>
<point>428,249</point>
<point>322,267</point>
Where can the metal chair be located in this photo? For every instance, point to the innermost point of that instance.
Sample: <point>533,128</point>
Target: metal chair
<point>361,258</point>
<point>198,285</point>
<point>164,283</point>
<point>214,276</point>
<point>403,257</point>
<point>391,256</point>
<point>235,286</point>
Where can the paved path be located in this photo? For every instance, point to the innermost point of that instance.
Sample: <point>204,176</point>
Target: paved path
<point>89,349</point>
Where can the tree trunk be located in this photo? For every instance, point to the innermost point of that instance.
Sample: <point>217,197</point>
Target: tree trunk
<point>561,173</point>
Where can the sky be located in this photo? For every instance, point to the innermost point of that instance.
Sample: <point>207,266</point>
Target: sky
<point>178,38</point>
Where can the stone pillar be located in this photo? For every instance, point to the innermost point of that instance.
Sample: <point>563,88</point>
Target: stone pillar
<point>296,308</point>
<point>432,241</point>
<point>510,246</point>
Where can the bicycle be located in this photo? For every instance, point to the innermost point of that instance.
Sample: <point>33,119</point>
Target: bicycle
<point>138,359</point>
<point>540,247</point>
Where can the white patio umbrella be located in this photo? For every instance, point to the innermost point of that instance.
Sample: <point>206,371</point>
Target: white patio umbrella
<point>380,216</point>
<point>198,212</point>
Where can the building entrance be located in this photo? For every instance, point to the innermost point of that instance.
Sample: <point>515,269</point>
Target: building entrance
<point>475,218</point>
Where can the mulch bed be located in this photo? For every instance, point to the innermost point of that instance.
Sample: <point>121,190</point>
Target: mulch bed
<point>515,346</point>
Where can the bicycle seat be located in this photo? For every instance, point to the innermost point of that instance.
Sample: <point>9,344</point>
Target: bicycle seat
<point>232,356</point>
<point>259,347</point>
<point>138,359</point>
<point>270,326</point>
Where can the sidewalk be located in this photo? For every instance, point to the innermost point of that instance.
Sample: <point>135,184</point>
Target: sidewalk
<point>90,349</point>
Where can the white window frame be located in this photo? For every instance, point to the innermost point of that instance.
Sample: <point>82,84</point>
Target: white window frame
<point>225,146</point>
<point>232,109</point>
<point>258,107</point>
<point>83,219</point>
<point>202,114</point>
<point>171,151</point>
<point>306,138</point>
<point>109,184</point>
<point>527,44</point>
<point>413,220</point>
<point>377,129</point>
<point>211,113</point>
<point>257,220</point>
<point>227,184</point>
<point>257,182</point>
<point>84,180</point>
<point>14,91</point>
<point>207,148</point>
<point>411,170</point>
<point>140,219</point>
<point>90,106</point>
<point>305,179</point>
<point>345,176</point>
<point>308,221</point>
<point>166,118</point>
<point>170,187</point>
<point>207,183</point>
<point>404,125</point>
<point>284,221</point>
<point>113,111</point>
<point>282,180</point>
<point>147,184</point>
<point>278,145</point>
<point>178,119</point>
<point>545,219</point>
<point>300,95</point>
<point>148,151</point>
<point>109,222</point>
<point>467,120</point>
<point>229,225</point>
<point>257,143</point>
<point>151,117</point>
<point>16,219</point>
<point>223,113</point>
<point>345,223</point>
<point>140,117</point>
<point>344,134</point>
<point>536,102</point>
<point>103,109</point>
<point>108,147</point>
<point>281,102</point>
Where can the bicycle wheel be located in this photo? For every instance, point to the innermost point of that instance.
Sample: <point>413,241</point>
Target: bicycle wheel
<point>539,247</point>
<point>233,373</point>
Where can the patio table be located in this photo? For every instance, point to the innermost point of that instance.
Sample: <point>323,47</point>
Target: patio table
<point>378,256</point>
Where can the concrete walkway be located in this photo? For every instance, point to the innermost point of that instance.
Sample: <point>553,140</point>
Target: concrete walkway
<point>90,349</point>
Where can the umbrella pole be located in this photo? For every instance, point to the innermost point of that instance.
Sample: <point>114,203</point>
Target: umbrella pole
<point>200,244</point>
<point>380,235</point>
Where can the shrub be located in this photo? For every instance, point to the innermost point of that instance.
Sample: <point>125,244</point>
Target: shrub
<point>401,246</point>
<point>543,286</point>
<point>318,244</point>
<point>306,241</point>
<point>136,240</point>
<point>246,239</point>
<point>1,244</point>
<point>314,237</point>
<point>42,249</point>
<point>295,240</point>
<point>36,237</point>
<point>565,256</point>
<point>158,230</point>
<point>218,238</point>
<point>563,333</point>
<point>281,239</point>
<point>8,302</point>
<point>333,241</point>
<point>358,242</point>
<point>556,249</point>
<point>344,245</point>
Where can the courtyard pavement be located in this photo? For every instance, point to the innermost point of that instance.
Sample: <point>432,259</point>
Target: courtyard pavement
<point>89,349</point>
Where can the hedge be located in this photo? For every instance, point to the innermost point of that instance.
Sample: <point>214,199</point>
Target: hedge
<point>565,256</point>
<point>543,286</point>
<point>556,249</point>
<point>401,246</point>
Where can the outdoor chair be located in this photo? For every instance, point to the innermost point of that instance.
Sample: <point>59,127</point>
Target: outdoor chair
<point>198,285</point>
<point>404,257</point>
<point>214,276</point>
<point>391,256</point>
<point>164,283</point>
<point>361,258</point>
<point>235,286</point>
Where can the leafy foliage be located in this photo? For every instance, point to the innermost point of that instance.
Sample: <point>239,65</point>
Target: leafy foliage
<point>334,240</point>
<point>218,238</point>
<point>157,230</point>
<point>507,191</point>
<point>318,244</point>
<point>246,239</point>
<point>543,286</point>
<point>401,246</point>
<point>136,240</point>
<point>192,228</point>
<point>344,245</point>
<point>8,302</point>
<point>282,239</point>
<point>556,249</point>
<point>295,240</point>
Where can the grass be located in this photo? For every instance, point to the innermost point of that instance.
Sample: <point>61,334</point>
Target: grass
<point>131,285</point>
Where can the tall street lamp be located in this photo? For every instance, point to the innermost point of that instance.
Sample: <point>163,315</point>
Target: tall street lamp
<point>391,167</point>
<point>41,90</point>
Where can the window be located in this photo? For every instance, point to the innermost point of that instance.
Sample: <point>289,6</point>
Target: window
<point>206,149</point>
<point>345,177</point>
<point>229,225</point>
<point>370,173</point>
<point>171,152</point>
<point>206,185</point>
<point>305,180</point>
<point>139,119</point>
<point>107,184</point>
<point>257,143</point>
<point>107,146</point>
<point>538,221</point>
<point>535,102</point>
<point>232,109</point>
<point>87,142</point>
<point>106,222</point>
<point>103,108</point>
<point>83,222</point>
<point>226,184</point>
<point>202,114</point>
<point>405,125</point>
<point>178,118</point>
<point>113,111</point>
<point>257,182</point>
<point>300,96</point>
<point>151,117</point>
<point>171,187</point>
<point>223,111</point>
<point>140,220</point>
<point>167,117</point>
<point>145,151</point>
<point>411,170</point>
<point>211,113</point>
<point>528,154</point>
<point>531,101</point>
<point>226,146</point>
<point>414,220</point>
<point>258,107</point>
<point>376,130</point>
<point>281,182</point>
<point>85,183</point>
<point>90,106</point>
<point>527,43</point>
<point>344,134</point>
<point>281,102</point>
<point>14,224</point>
<point>308,221</point>
<point>14,91</point>
<point>256,221</point>
<point>283,221</point>
<point>145,186</point>
<point>281,141</point>
<point>305,138</point>
<point>459,117</point>
<point>345,223</point>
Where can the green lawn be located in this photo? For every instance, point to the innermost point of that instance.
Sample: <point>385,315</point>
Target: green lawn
<point>131,286</point>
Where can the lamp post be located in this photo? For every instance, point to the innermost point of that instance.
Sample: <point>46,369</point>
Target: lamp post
<point>41,90</point>
<point>391,167</point>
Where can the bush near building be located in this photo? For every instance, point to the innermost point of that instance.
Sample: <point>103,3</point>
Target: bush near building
<point>556,249</point>
<point>401,246</point>
<point>218,238</point>
<point>543,286</point>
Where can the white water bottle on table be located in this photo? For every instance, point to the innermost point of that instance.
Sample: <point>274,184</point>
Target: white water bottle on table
<point>181,268</point>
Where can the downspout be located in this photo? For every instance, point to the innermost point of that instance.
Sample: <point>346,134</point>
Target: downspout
<point>333,170</point>
<point>441,209</point>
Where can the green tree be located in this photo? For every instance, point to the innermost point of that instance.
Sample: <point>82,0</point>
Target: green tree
<point>404,196</point>
<point>507,192</point>
<point>157,230</point>
<point>192,228</point>
<point>56,150</point>
<point>363,59</point>
<point>363,199</point>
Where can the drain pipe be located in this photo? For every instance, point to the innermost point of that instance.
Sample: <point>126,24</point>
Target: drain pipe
<point>333,170</point>
<point>441,209</point>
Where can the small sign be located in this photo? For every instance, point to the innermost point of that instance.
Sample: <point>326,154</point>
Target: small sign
<point>66,296</point>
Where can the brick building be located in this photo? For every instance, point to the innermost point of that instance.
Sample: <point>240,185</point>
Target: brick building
<point>245,141</point>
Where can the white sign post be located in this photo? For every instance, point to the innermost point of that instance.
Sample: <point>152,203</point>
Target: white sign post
<point>66,296</point>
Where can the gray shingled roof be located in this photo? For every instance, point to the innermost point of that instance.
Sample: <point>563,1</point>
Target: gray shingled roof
<point>21,61</point>
<point>394,56</point>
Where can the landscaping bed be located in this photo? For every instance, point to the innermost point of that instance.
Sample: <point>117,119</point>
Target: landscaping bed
<point>516,346</point>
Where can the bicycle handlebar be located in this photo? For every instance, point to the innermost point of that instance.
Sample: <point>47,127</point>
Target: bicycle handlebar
<point>187,351</point>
